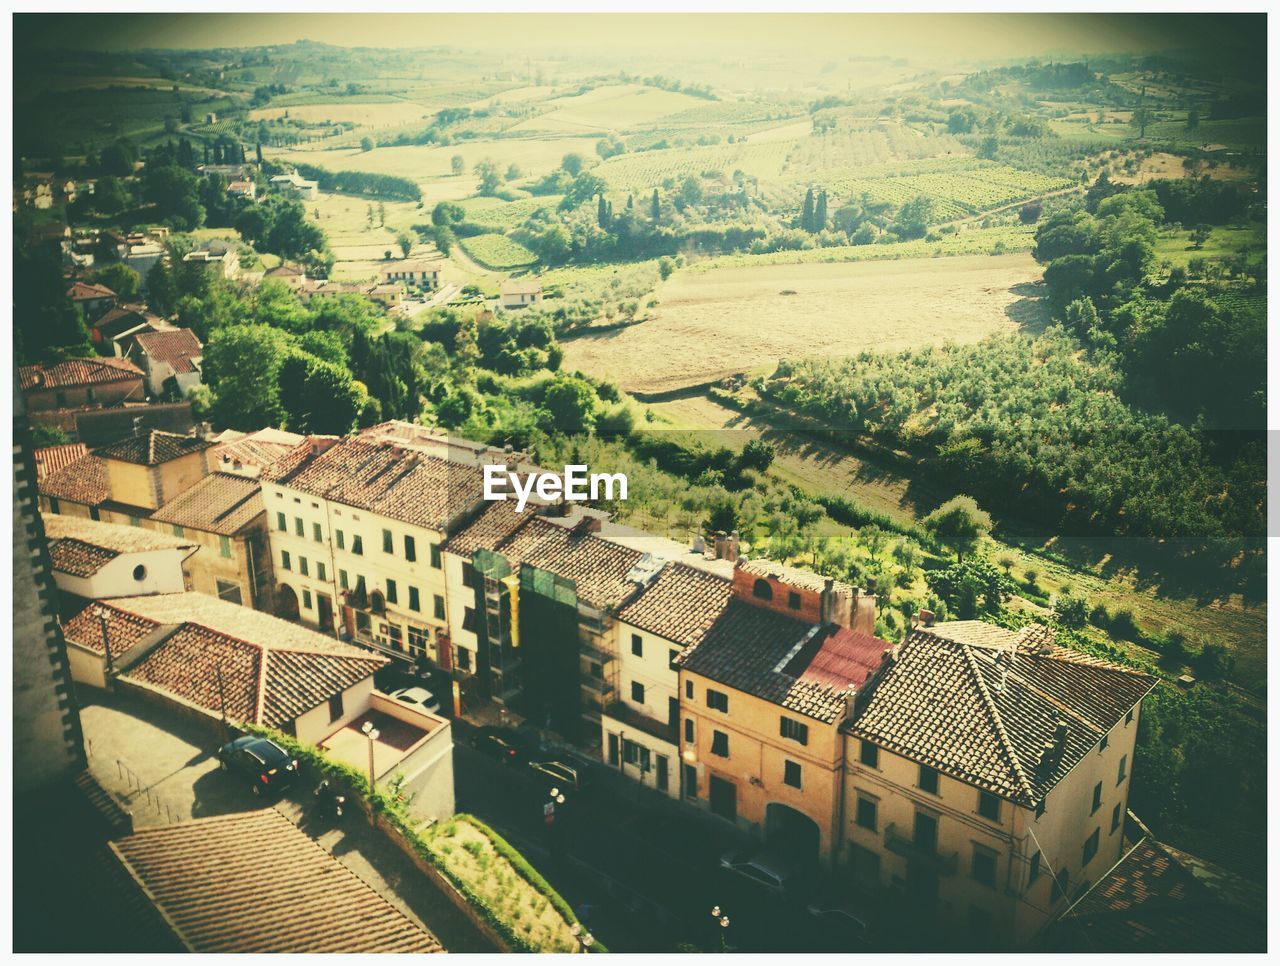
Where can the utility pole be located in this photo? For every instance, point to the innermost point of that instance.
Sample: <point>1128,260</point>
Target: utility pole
<point>106,641</point>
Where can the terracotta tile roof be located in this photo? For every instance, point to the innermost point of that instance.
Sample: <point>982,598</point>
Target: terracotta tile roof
<point>50,459</point>
<point>599,568</point>
<point>1160,900</point>
<point>970,712</point>
<point>282,271</point>
<point>84,481</point>
<point>70,373</point>
<point>680,605</point>
<point>124,629</point>
<point>123,318</point>
<point>261,449</point>
<point>153,447</point>
<point>178,347</point>
<point>521,286</point>
<point>253,882</point>
<point>81,547</point>
<point>87,292</point>
<point>795,576</point>
<point>399,483</point>
<point>221,503</point>
<point>495,522</point>
<point>769,655</point>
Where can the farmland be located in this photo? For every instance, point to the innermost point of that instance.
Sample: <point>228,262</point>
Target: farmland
<point>610,108</point>
<point>712,324</point>
<point>377,114</point>
<point>495,251</point>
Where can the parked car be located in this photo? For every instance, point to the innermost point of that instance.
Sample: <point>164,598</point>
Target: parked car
<point>267,766</point>
<point>841,917</point>
<point>505,744</point>
<point>772,872</point>
<point>563,774</point>
<point>417,697</point>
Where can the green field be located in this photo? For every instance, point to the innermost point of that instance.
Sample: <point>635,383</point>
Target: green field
<point>501,216</point>
<point>497,252</point>
<point>611,108</point>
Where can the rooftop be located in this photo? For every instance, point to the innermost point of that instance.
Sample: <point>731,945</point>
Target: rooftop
<point>984,713</point>
<point>794,576</point>
<point>599,568</point>
<point>50,459</point>
<point>179,348</point>
<point>681,604</point>
<point>81,547</point>
<point>521,286</point>
<point>399,735</point>
<point>221,503</point>
<point>87,291</point>
<point>152,448</point>
<point>83,481</point>
<point>78,372</point>
<point>254,882</point>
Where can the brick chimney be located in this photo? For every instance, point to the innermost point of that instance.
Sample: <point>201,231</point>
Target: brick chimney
<point>726,545</point>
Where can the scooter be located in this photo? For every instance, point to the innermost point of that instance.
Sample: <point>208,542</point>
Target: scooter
<point>328,801</point>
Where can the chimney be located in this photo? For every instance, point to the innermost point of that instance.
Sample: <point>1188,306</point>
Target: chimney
<point>924,618</point>
<point>699,544</point>
<point>1060,741</point>
<point>588,524</point>
<point>726,545</point>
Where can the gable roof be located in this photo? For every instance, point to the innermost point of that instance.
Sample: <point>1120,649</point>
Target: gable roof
<point>1159,899</point>
<point>393,481</point>
<point>71,373</point>
<point>124,629</point>
<point>970,712</point>
<point>599,568</point>
<point>50,459</point>
<point>179,348</point>
<point>496,522</point>
<point>88,291</point>
<point>152,447</point>
<point>680,605</point>
<point>221,503</point>
<point>81,547</point>
<point>82,481</point>
<point>123,318</point>
<point>254,882</point>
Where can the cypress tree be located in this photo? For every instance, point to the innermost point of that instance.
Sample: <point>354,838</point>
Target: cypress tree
<point>657,206</point>
<point>806,216</point>
<point>820,212</point>
<point>602,213</point>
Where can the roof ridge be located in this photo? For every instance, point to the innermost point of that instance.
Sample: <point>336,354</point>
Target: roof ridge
<point>994,714</point>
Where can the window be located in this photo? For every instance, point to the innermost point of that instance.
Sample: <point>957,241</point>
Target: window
<point>865,814</point>
<point>224,546</point>
<point>464,659</point>
<point>869,755</point>
<point>469,619</point>
<point>435,555</point>
<point>317,533</point>
<point>1115,817</point>
<point>1097,798</point>
<point>637,692</point>
<point>303,568</point>
<point>1090,848</point>
<point>410,549</point>
<point>438,607</point>
<point>133,521</point>
<point>357,545</point>
<point>299,527</point>
<point>393,592</point>
<point>414,603</point>
<point>306,600</point>
<point>285,562</point>
<point>468,576</point>
<point>795,730</point>
<point>229,590</point>
<point>762,590</point>
<point>321,574</point>
<point>388,542</point>
<point>1102,745</point>
<point>690,781</point>
<point>1128,718</point>
<point>637,645</point>
<point>418,638</point>
<point>671,657</point>
<point>989,806</point>
<point>1120,772</point>
<point>793,600</point>
<point>335,707</point>
<point>688,730</point>
<point>179,531</point>
<point>139,573</point>
<point>55,507</point>
<point>281,523</point>
<point>983,868</point>
<point>717,700</point>
<point>343,582</point>
<point>1034,872</point>
<point>928,780</point>
<point>791,773</point>
<point>925,833</point>
<point>342,539</point>
<point>688,690</point>
<point>1040,808</point>
<point>720,744</point>
<point>95,513</point>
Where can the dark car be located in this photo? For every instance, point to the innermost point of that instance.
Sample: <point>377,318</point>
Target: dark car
<point>506,744</point>
<point>267,766</point>
<point>564,775</point>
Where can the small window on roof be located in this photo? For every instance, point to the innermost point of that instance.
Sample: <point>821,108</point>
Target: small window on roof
<point>762,590</point>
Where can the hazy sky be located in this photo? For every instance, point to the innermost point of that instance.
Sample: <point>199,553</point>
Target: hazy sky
<point>961,36</point>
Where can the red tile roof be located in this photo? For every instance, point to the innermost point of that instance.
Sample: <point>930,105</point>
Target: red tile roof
<point>81,546</point>
<point>680,605</point>
<point>221,503</point>
<point>152,447</point>
<point>93,371</point>
<point>598,568</point>
<point>124,629</point>
<point>253,882</point>
<point>50,459</point>
<point>84,481</point>
<point>177,347</point>
<point>88,292</point>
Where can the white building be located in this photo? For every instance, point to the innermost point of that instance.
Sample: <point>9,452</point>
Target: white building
<point>296,185</point>
<point>519,293</point>
<point>96,560</point>
<point>170,354</point>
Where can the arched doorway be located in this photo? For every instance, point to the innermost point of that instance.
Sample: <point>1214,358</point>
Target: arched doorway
<point>793,831</point>
<point>286,602</point>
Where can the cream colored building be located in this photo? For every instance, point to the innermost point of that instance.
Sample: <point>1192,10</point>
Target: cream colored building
<point>94,560</point>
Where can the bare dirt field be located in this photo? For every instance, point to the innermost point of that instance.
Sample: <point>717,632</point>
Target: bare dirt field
<point>712,324</point>
<point>386,114</point>
<point>1169,166</point>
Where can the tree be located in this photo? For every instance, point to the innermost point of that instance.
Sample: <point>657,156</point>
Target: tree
<point>958,524</point>
<point>490,177</point>
<point>820,212</point>
<point>1193,119</point>
<point>110,196</point>
<point>655,206</point>
<point>514,172</point>
<point>241,365</point>
<point>48,326</point>
<point>666,266</point>
<point>609,146</point>
<point>971,587</point>
<point>120,278</point>
<point>806,213</point>
<point>1071,611</point>
<point>447,213</point>
<point>382,214</point>
<point>758,455</point>
<point>572,163</point>
<point>1141,118</point>
<point>602,213</point>
<point>404,241</point>
<point>571,403</point>
<point>175,193</point>
<point>458,165</point>
<point>366,143</point>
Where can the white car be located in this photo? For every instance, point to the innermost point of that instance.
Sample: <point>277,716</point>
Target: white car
<point>419,698</point>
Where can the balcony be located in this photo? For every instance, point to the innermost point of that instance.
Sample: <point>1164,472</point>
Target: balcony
<point>598,685</point>
<point>625,714</point>
<point>597,654</point>
<point>944,863</point>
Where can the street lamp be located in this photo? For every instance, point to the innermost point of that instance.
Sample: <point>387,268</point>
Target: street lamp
<point>372,734</point>
<point>585,939</point>
<point>723,922</point>
<point>106,642</point>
